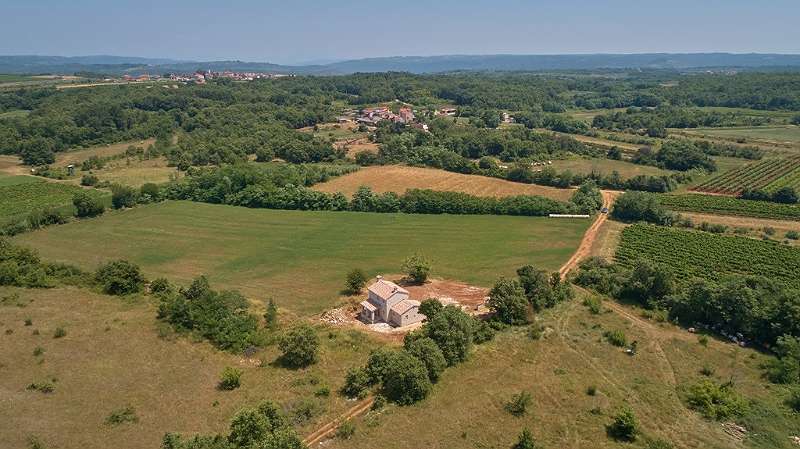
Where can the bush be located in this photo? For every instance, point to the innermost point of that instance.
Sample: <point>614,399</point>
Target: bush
<point>120,278</point>
<point>715,401</point>
<point>616,338</point>
<point>625,426</point>
<point>355,282</point>
<point>89,180</point>
<point>793,235</point>
<point>87,205</point>
<point>299,346</point>
<point>230,379</point>
<point>123,196</point>
<point>38,351</point>
<point>149,192</point>
<point>591,390</point>
<point>593,304</point>
<point>703,340</point>
<point>640,206</point>
<point>525,441</point>
<point>406,379</point>
<point>518,405</point>
<point>356,383</point>
<point>482,331</point>
<point>417,267</point>
<point>60,332</point>
<point>346,430</point>
<point>160,286</point>
<point>122,416</point>
<point>45,387</point>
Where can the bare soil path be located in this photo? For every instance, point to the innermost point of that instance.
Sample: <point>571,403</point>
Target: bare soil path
<point>585,248</point>
<point>326,430</point>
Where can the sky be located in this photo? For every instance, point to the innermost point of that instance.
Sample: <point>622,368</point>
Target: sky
<point>296,31</point>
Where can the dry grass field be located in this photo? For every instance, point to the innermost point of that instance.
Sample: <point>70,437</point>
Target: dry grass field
<point>115,354</point>
<point>397,178</point>
<point>466,408</point>
<point>79,155</point>
<point>134,172</point>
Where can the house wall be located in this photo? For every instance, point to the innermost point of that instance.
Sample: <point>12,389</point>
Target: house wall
<point>410,317</point>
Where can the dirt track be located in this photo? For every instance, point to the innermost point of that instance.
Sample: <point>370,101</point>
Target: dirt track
<point>324,431</point>
<point>588,239</point>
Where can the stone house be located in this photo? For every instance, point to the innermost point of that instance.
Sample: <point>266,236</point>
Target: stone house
<point>389,303</point>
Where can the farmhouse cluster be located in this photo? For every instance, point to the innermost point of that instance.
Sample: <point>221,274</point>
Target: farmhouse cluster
<point>389,303</point>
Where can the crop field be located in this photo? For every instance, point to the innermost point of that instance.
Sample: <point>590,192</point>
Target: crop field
<point>115,354</point>
<point>397,178</point>
<point>699,254</point>
<point>606,166</point>
<point>17,200</point>
<point>727,205</point>
<point>466,408</point>
<point>788,134</point>
<point>767,174</point>
<point>301,258</point>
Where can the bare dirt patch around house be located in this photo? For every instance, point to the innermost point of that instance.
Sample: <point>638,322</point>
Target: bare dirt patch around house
<point>399,178</point>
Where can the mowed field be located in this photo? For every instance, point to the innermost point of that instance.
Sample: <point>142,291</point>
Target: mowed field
<point>607,166</point>
<point>77,156</point>
<point>115,355</point>
<point>466,408</point>
<point>398,178</point>
<point>301,258</point>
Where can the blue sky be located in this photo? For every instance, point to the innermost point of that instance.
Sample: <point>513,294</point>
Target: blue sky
<point>292,31</point>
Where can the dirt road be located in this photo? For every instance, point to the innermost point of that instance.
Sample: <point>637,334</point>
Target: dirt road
<point>588,239</point>
<point>324,431</point>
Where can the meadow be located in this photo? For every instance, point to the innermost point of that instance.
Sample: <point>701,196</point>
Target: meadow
<point>115,354</point>
<point>466,409</point>
<point>606,166</point>
<point>301,258</point>
<point>398,178</point>
<point>767,134</point>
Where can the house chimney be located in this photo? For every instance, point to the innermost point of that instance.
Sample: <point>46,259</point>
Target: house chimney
<point>378,277</point>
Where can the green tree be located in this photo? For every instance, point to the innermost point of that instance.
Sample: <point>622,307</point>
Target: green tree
<point>87,205</point>
<point>406,380</point>
<point>299,346</point>
<point>507,300</point>
<point>640,206</point>
<point>525,441</point>
<point>588,197</point>
<point>38,151</point>
<point>355,282</point>
<point>120,277</point>
<point>451,329</point>
<point>123,196</point>
<point>417,267</point>
<point>430,307</point>
<point>425,350</point>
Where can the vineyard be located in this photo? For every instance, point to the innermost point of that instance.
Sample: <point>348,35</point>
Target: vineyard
<point>726,205</point>
<point>699,254</point>
<point>18,200</point>
<point>765,175</point>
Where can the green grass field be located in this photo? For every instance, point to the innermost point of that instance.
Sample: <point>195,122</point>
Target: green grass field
<point>787,133</point>
<point>10,180</point>
<point>606,166</point>
<point>301,258</point>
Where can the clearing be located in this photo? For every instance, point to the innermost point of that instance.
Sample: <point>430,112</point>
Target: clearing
<point>301,258</point>
<point>115,354</point>
<point>466,408</point>
<point>606,166</point>
<point>399,178</point>
<point>79,155</point>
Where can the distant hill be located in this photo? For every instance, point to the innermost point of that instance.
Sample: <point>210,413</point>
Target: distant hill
<point>117,65</point>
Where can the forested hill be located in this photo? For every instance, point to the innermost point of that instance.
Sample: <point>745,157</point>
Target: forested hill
<point>116,65</point>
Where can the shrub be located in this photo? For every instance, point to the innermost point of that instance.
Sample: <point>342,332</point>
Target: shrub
<point>346,430</point>
<point>160,286</point>
<point>525,441</point>
<point>593,304</point>
<point>616,338</point>
<point>122,416</point>
<point>793,401</point>
<point>150,192</point>
<point>793,235</point>
<point>658,444</point>
<point>89,180</point>
<point>38,351</point>
<point>482,331</point>
<point>60,332</point>
<point>264,154</point>
<point>271,315</point>
<point>299,346</point>
<point>45,387</point>
<point>417,267</point>
<point>535,332</point>
<point>45,217</point>
<point>120,278</point>
<point>28,322</point>
<point>406,379</point>
<point>518,405</point>
<point>355,282</point>
<point>703,340</point>
<point>87,205</point>
<point>322,392</point>
<point>715,401</point>
<point>591,390</point>
<point>625,426</point>
<point>707,371</point>
<point>230,379</point>
<point>123,196</point>
<point>356,383</point>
